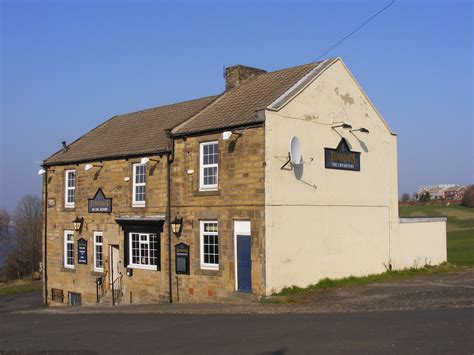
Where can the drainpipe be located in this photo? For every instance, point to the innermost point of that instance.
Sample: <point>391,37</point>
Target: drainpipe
<point>170,159</point>
<point>45,257</point>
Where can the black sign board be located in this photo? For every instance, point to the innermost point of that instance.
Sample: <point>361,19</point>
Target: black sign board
<point>100,203</point>
<point>182,258</point>
<point>82,251</point>
<point>342,158</point>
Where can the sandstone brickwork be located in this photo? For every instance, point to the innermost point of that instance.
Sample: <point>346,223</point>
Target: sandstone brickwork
<point>240,197</point>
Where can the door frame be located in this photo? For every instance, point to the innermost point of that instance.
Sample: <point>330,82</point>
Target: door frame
<point>243,228</point>
<point>112,276</point>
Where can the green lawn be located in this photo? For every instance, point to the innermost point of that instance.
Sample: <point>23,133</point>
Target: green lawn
<point>19,286</point>
<point>460,228</point>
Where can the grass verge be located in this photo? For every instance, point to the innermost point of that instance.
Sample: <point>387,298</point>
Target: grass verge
<point>286,294</point>
<point>20,286</point>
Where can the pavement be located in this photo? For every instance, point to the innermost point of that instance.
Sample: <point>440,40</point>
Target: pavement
<point>449,290</point>
<point>428,314</point>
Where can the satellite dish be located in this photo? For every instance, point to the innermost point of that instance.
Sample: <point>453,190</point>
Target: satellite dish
<point>226,135</point>
<point>88,167</point>
<point>295,151</point>
<point>41,171</point>
<point>144,160</point>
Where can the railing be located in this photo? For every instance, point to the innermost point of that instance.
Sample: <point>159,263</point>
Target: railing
<point>99,284</point>
<point>117,290</point>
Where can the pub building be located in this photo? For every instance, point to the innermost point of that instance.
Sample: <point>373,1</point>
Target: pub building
<point>284,178</point>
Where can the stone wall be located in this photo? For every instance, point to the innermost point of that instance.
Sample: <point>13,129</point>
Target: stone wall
<point>240,197</point>
<point>111,178</point>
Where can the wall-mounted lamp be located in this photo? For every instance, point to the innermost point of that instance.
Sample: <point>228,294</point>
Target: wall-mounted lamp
<point>146,160</point>
<point>43,171</point>
<point>344,125</point>
<point>177,225</point>
<point>228,134</point>
<point>78,223</point>
<point>362,130</point>
<point>90,166</point>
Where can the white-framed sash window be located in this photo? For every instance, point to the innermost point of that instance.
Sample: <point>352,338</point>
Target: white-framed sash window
<point>139,185</point>
<point>70,188</point>
<point>209,243</point>
<point>208,166</point>
<point>143,250</point>
<point>98,251</point>
<point>69,249</point>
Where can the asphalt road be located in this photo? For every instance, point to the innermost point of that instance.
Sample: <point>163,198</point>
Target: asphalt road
<point>429,314</point>
<point>431,331</point>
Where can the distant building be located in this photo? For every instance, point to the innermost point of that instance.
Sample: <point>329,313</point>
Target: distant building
<point>455,192</point>
<point>442,191</point>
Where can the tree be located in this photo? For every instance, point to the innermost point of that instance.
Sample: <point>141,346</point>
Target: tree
<point>405,197</point>
<point>468,199</point>
<point>425,197</point>
<point>4,235</point>
<point>27,220</point>
<point>23,252</point>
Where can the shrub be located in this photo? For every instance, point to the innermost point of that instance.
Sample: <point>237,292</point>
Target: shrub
<point>468,199</point>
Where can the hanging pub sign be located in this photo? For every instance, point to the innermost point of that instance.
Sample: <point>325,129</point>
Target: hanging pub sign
<point>82,251</point>
<point>182,258</point>
<point>99,203</point>
<point>342,157</point>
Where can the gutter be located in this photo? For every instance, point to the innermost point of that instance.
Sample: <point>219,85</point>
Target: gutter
<point>170,159</point>
<point>45,231</point>
<point>106,158</point>
<point>257,123</point>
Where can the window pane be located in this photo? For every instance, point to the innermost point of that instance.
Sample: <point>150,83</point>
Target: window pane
<point>71,179</point>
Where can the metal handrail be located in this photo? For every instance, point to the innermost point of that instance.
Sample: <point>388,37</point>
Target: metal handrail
<point>116,289</point>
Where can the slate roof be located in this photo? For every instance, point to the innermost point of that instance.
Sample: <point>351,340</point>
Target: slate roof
<point>143,132</point>
<point>136,133</point>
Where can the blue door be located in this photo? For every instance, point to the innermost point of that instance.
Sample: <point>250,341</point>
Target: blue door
<point>244,264</point>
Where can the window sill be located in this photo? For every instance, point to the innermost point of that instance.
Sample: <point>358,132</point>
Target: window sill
<point>97,273</point>
<point>68,269</point>
<point>207,193</point>
<point>138,206</point>
<point>143,267</point>
<point>210,267</point>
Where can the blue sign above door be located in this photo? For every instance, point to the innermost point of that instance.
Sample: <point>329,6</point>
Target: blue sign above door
<point>341,158</point>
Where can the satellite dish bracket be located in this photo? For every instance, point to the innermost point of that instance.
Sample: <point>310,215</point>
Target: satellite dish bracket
<point>286,163</point>
<point>283,167</point>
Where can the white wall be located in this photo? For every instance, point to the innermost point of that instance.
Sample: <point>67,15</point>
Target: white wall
<point>308,243</point>
<point>324,222</point>
<point>420,241</point>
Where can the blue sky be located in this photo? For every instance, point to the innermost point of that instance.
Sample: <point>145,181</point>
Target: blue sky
<point>68,66</point>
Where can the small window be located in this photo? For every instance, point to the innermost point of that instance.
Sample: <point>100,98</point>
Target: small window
<point>208,173</point>
<point>139,184</point>
<point>69,249</point>
<point>70,191</point>
<point>98,252</point>
<point>143,250</point>
<point>209,245</point>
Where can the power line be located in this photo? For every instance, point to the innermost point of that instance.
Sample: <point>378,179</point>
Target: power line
<point>357,28</point>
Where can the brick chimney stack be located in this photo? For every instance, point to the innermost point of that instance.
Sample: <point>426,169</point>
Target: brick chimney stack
<point>236,74</point>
